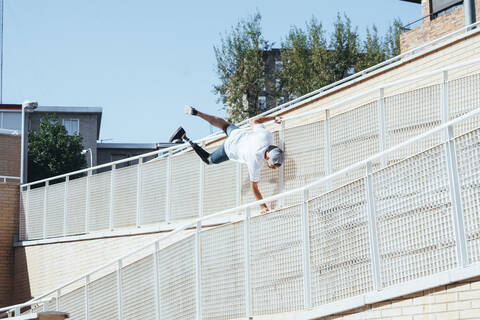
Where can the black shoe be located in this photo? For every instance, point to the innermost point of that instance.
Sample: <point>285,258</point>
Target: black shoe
<point>177,136</point>
<point>190,110</point>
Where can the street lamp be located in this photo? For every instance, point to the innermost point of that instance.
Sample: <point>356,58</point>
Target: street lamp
<point>84,151</point>
<point>27,106</point>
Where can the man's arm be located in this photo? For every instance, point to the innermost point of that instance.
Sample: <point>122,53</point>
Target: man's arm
<point>258,195</point>
<point>266,119</point>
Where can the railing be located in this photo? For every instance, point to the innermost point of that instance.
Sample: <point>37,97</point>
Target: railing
<point>9,180</point>
<point>317,143</point>
<point>394,225</point>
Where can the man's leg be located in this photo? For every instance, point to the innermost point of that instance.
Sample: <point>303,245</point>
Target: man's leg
<point>214,121</point>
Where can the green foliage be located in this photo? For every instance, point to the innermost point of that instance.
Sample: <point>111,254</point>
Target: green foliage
<point>392,39</point>
<point>241,68</point>
<point>52,152</point>
<point>373,50</point>
<point>344,49</point>
<point>304,59</point>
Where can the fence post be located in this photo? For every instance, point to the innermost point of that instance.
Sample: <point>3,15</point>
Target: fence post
<point>372,229</point>
<point>112,184</point>
<point>281,173</point>
<point>198,270</point>
<point>57,305</point>
<point>119,290</point>
<point>139,192</point>
<point>445,111</point>
<point>328,147</point>
<point>202,185</point>
<point>157,280</point>
<point>382,126</point>
<point>87,200</point>
<point>456,198</point>
<point>87,281</point>
<point>27,213</point>
<point>45,207</point>
<point>65,206</point>
<point>169,185</point>
<point>246,252</point>
<point>239,185</point>
<point>307,283</point>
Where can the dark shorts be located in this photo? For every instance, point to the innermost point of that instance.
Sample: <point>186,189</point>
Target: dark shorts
<point>219,155</point>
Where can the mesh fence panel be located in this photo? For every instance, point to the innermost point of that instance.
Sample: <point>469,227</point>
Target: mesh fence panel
<point>220,189</point>
<point>276,262</point>
<point>154,187</point>
<point>464,96</point>
<point>99,210</point>
<point>352,145</point>
<point>185,184</point>
<point>35,213</point>
<point>339,244</point>
<point>102,298</point>
<point>177,280</point>
<point>305,157</point>
<point>125,197</point>
<point>468,159</point>
<point>76,206</point>
<point>138,290</point>
<point>223,272</point>
<point>414,218</point>
<point>55,210</point>
<point>410,114</point>
<point>74,303</point>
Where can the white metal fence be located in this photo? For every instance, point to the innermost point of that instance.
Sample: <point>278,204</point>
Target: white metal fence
<point>396,222</point>
<point>317,143</point>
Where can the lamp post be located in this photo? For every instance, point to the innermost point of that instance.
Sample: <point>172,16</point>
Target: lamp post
<point>27,106</point>
<point>89,150</point>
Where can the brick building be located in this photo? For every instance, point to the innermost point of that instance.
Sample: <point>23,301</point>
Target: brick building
<point>438,19</point>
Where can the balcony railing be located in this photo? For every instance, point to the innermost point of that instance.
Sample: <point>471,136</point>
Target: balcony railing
<point>317,143</point>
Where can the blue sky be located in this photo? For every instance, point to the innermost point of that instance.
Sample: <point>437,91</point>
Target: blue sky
<point>143,60</point>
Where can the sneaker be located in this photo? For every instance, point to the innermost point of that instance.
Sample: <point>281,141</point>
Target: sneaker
<point>190,110</point>
<point>177,136</point>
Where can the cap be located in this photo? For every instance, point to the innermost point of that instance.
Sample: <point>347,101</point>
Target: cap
<point>276,155</point>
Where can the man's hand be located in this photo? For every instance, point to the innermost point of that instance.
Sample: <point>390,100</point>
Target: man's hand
<point>264,210</point>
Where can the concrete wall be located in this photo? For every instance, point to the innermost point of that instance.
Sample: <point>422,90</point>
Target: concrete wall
<point>432,29</point>
<point>456,301</point>
<point>88,124</point>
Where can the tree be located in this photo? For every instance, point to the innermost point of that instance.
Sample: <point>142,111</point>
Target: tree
<point>52,152</point>
<point>373,51</point>
<point>241,68</point>
<point>344,49</point>
<point>304,59</point>
<point>392,39</point>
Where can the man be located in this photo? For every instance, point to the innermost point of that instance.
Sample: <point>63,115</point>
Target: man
<point>249,148</point>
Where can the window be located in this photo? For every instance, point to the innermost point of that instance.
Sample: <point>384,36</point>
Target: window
<point>72,126</point>
<point>262,102</point>
<point>278,65</point>
<point>11,120</point>
<point>441,7</point>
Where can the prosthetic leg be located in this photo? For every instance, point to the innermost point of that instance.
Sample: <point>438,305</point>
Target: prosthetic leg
<point>180,134</point>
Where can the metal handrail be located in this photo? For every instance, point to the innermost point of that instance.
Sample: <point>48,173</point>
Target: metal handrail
<point>291,104</point>
<point>326,179</point>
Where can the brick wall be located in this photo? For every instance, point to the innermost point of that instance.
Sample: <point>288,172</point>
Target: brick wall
<point>460,300</point>
<point>9,207</point>
<point>9,155</point>
<point>434,29</point>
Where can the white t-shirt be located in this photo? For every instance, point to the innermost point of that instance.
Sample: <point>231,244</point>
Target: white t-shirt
<point>249,148</point>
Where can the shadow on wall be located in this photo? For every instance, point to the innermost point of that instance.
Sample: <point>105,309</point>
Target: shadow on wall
<point>21,279</point>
